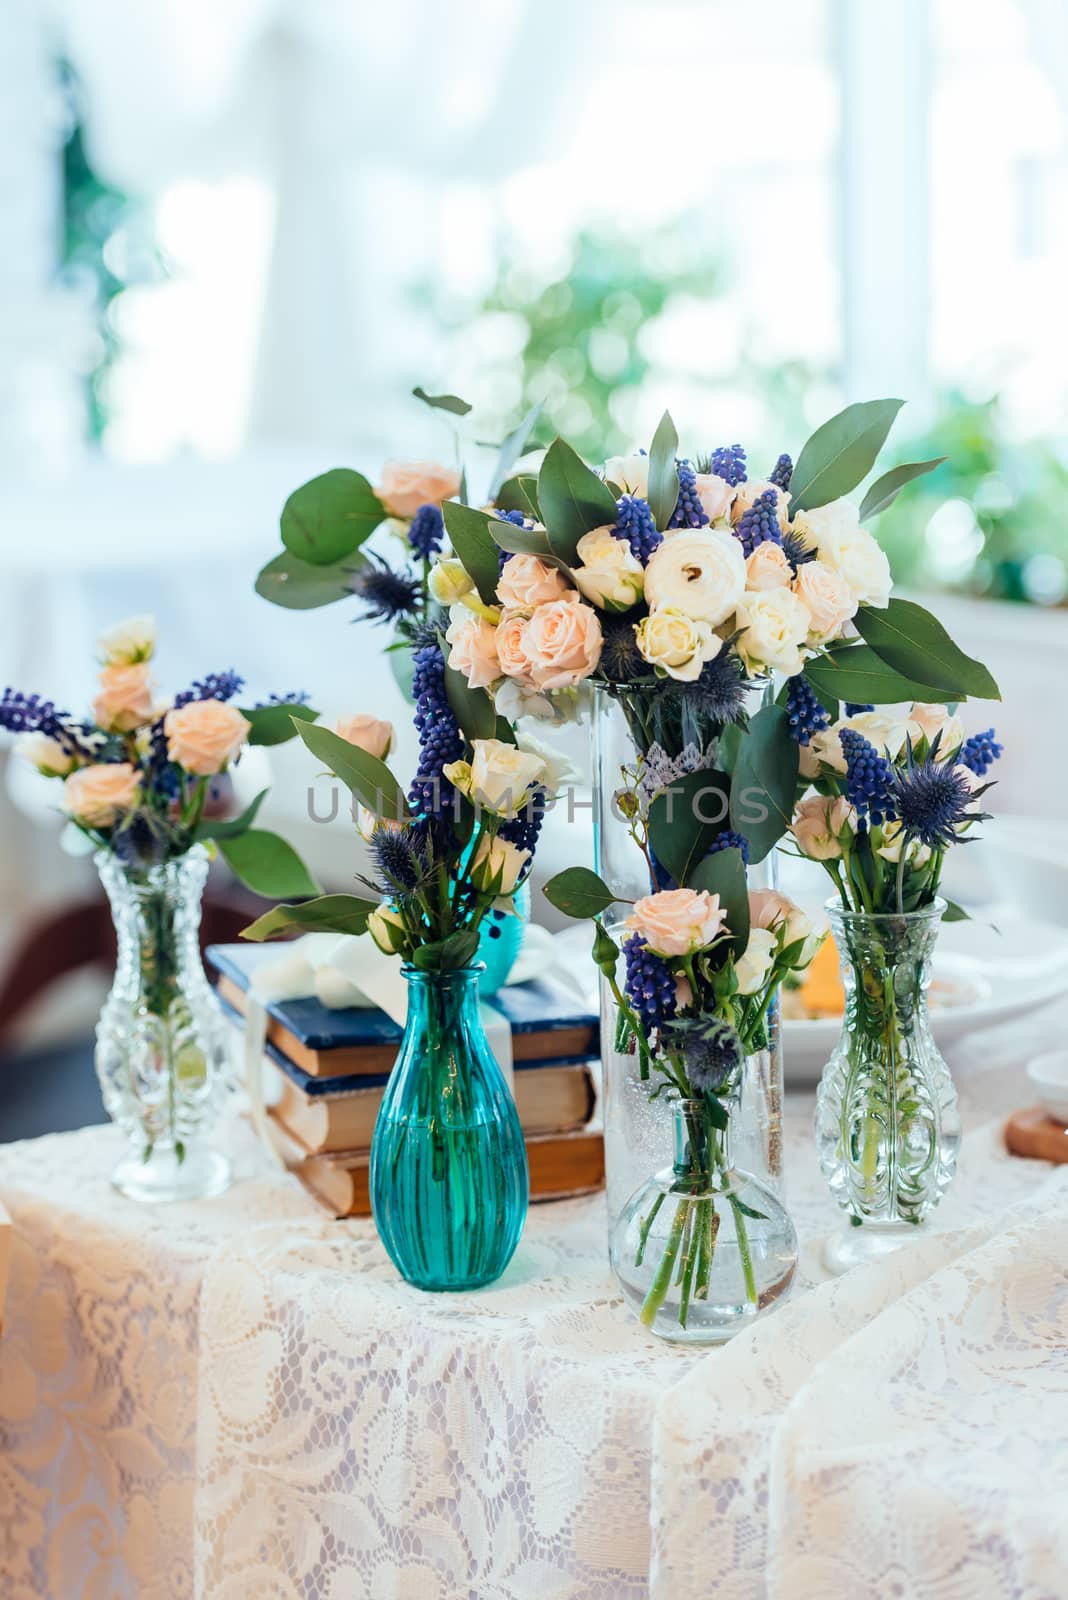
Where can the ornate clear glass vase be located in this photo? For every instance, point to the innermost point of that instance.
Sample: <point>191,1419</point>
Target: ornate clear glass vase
<point>163,1047</point>
<point>887,1125</point>
<point>702,1248</point>
<point>639,1132</point>
<point>449,1183</point>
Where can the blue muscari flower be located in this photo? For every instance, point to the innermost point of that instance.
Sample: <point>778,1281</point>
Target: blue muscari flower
<point>648,986</point>
<point>163,778</point>
<point>760,523</point>
<point>299,697</point>
<point>807,716</point>
<point>688,512</point>
<point>440,742</point>
<point>28,713</point>
<point>524,829</point>
<point>216,686</point>
<point>728,461</point>
<point>635,526</point>
<point>782,472</point>
<point>853,708</point>
<point>519,521</point>
<point>727,840</point>
<point>869,779</point>
<point>427,531</point>
<point>932,800</point>
<point>980,752</point>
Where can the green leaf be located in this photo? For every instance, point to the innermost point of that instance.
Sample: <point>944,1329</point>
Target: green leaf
<point>885,490</point>
<point>459,949</point>
<point>578,892</point>
<point>914,643</point>
<point>267,864</point>
<point>724,874</point>
<point>274,724</point>
<point>369,779</point>
<point>504,731</point>
<point>511,450</point>
<point>471,535</point>
<point>663,473</point>
<point>955,913</point>
<point>841,453</point>
<point>764,784</point>
<point>330,913</point>
<point>717,1115</point>
<point>572,499</point>
<point>856,673</point>
<point>228,827</point>
<point>299,586</point>
<point>519,494</point>
<point>686,819</point>
<point>329,517</point>
<point>472,708</point>
<point>524,541</point>
<point>402,666</point>
<point>442,402</point>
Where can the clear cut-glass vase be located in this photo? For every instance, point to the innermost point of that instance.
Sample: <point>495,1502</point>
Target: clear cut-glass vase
<point>163,1047</point>
<point>702,1247</point>
<point>887,1125</point>
<point>449,1182</point>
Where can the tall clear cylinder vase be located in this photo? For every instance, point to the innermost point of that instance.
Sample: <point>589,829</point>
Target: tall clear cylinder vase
<point>639,1131</point>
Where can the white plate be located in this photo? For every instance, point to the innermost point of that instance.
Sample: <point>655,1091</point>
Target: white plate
<point>983,977</point>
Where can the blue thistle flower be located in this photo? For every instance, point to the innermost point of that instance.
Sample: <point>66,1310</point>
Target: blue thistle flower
<point>869,779</point>
<point>932,800</point>
<point>853,708</point>
<point>387,594</point>
<point>427,531</point>
<point>728,461</point>
<point>796,552</point>
<point>649,986</point>
<point>713,1051</point>
<point>524,829</point>
<point>216,686</point>
<point>980,752</point>
<point>717,695</point>
<point>807,716</point>
<point>621,660</point>
<point>688,512</point>
<point>398,858</point>
<point>635,526</point>
<point>781,472</point>
<point>440,741</point>
<point>727,840</point>
<point>760,523</point>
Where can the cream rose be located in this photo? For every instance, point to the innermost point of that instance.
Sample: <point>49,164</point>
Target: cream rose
<point>839,541</point>
<point>499,776</point>
<point>820,824</point>
<point>386,927</point>
<point>407,485</point>
<point>829,524</point>
<point>97,796</point>
<point>768,567</point>
<point>50,758</point>
<point>673,642</point>
<point>753,966</point>
<point>497,865</point>
<point>930,721</point>
<point>511,647</point>
<point>630,473</point>
<point>205,736</point>
<point>449,581</point>
<point>893,840</point>
<point>474,649</point>
<point>676,922</point>
<point>700,573</point>
<point>747,493</point>
<point>128,642</point>
<point>774,625</point>
<point>124,699</point>
<point>563,643</point>
<point>715,494</point>
<point>829,599</point>
<point>367,732</point>
<point>527,582</point>
<point>769,909</point>
<point>609,576</point>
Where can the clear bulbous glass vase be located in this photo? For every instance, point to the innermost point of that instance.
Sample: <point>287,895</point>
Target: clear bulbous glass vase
<point>163,1046</point>
<point>887,1125</point>
<point>449,1180</point>
<point>702,1248</point>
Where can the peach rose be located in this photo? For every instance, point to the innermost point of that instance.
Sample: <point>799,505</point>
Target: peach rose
<point>98,795</point>
<point>205,736</point>
<point>474,649</point>
<point>932,720</point>
<point>367,732</point>
<point>819,824</point>
<point>768,567</point>
<point>124,701</point>
<point>407,485</point>
<point>562,643</point>
<point>512,647</point>
<point>746,494</point>
<point>715,494</point>
<point>770,909</point>
<point>829,599</point>
<point>676,922</point>
<point>528,581</point>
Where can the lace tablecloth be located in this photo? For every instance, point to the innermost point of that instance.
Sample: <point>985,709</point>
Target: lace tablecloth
<point>238,1399</point>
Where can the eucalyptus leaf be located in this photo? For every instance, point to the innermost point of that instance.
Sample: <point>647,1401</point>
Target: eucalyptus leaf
<point>519,494</point>
<point>330,913</point>
<point>914,643</point>
<point>841,453</point>
<point>663,473</point>
<point>858,674</point>
<point>301,586</point>
<point>273,724</point>
<point>329,517</point>
<point>512,449</point>
<point>579,892</point>
<point>472,708</point>
<point>572,498</point>
<point>228,827</point>
<point>447,955</point>
<point>723,873</point>
<point>685,820</point>
<point>472,537</point>
<point>885,490</point>
<point>764,784</point>
<point>369,779</point>
<point>442,402</point>
<point>266,863</point>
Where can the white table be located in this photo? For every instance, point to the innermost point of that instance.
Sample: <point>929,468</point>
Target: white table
<point>240,1399</point>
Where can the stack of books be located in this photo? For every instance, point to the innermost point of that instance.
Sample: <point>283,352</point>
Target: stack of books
<point>330,1069</point>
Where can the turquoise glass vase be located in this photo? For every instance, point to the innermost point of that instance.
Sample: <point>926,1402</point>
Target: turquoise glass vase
<point>449,1183</point>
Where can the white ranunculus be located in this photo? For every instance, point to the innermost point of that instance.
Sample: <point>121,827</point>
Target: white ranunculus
<point>609,576</point>
<point>128,642</point>
<point>386,927</point>
<point>774,625</point>
<point>499,777</point>
<point>629,473</point>
<point>700,573</point>
<point>47,755</point>
<point>752,968</point>
<point>500,860</point>
<point>672,641</point>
